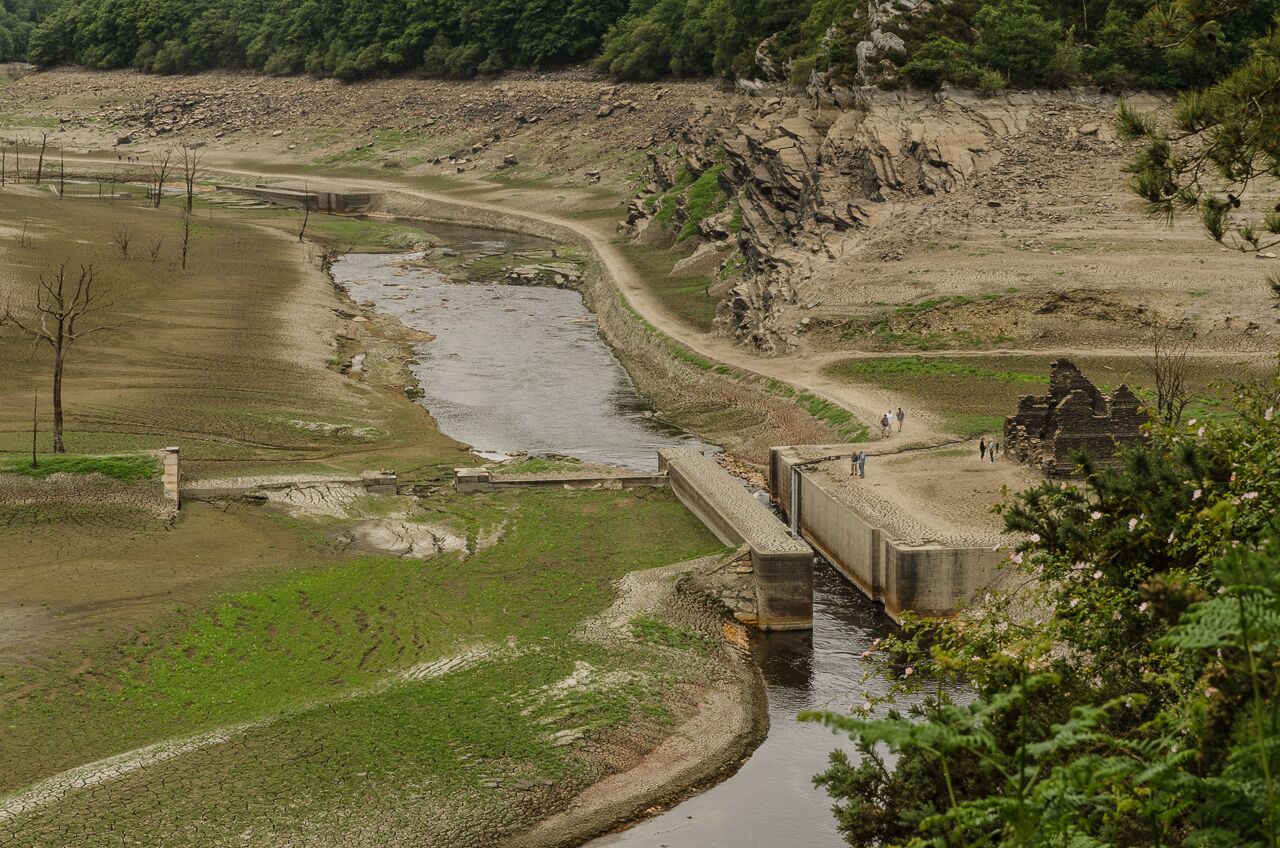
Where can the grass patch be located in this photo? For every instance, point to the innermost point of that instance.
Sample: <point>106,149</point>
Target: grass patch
<point>127,468</point>
<point>702,199</point>
<point>320,633</point>
<point>654,631</point>
<point>974,394</point>
<point>687,298</point>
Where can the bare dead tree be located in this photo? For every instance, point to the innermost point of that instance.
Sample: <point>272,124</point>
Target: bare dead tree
<point>306,212</point>
<point>161,163</point>
<point>154,250</point>
<point>24,238</point>
<point>17,162</point>
<point>111,195</point>
<point>1168,366</point>
<point>190,171</point>
<point>62,307</point>
<point>35,427</point>
<point>122,240</point>
<point>186,238</point>
<point>44,143</point>
<point>62,172</point>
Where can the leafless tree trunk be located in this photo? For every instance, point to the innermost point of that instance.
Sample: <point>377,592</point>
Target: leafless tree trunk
<point>154,250</point>
<point>62,307</point>
<point>186,238</point>
<point>62,172</point>
<point>35,427</point>
<point>190,170</point>
<point>306,210</point>
<point>44,142</point>
<point>111,196</point>
<point>1168,366</point>
<point>160,165</point>
<point>17,163</point>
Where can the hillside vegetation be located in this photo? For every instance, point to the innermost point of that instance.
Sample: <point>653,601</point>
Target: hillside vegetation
<point>971,43</point>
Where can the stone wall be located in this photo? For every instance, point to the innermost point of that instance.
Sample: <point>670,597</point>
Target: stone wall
<point>1049,431</point>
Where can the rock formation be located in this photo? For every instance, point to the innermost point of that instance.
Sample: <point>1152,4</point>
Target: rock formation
<point>814,179</point>
<point>1048,431</point>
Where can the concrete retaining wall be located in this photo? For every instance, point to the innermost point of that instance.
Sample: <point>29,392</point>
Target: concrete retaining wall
<point>783,566</point>
<point>928,580</point>
<point>481,480</point>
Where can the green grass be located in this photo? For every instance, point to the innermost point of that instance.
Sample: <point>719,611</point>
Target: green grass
<point>702,199</point>
<point>307,637</point>
<point>970,425</point>
<point>127,468</point>
<point>687,298</point>
<point>654,631</point>
<point>919,365</point>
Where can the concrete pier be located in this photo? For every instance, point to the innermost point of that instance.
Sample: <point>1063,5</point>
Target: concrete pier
<point>783,565</point>
<point>339,202</point>
<point>171,476</point>
<point>927,573</point>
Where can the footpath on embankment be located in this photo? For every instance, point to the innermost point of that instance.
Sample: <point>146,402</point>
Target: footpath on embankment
<point>801,372</point>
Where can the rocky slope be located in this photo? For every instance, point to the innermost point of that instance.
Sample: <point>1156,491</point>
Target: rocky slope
<point>836,189</point>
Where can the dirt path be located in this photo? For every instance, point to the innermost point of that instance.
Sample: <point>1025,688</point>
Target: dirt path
<point>803,372</point>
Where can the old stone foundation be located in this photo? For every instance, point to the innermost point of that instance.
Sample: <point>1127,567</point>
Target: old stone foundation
<point>1049,431</point>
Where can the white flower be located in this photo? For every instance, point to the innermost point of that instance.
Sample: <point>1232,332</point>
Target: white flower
<point>1269,414</point>
<point>1249,495</point>
<point>866,654</point>
<point>1142,607</point>
<point>1035,537</point>
<point>1210,692</point>
<point>1133,522</point>
<point>1195,496</point>
<point>1191,423</point>
<point>908,671</point>
<point>1200,432</point>
<point>1016,558</point>
<point>1095,515</point>
<point>1171,538</point>
<point>1097,575</point>
<point>1075,601</point>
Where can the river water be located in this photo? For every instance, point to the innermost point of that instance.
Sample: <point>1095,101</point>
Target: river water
<point>515,368</point>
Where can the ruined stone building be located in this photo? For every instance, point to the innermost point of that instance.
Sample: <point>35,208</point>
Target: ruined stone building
<point>1049,430</point>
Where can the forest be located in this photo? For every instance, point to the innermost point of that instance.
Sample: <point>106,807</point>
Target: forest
<point>983,44</point>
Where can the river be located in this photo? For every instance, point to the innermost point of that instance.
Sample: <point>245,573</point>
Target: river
<point>515,368</point>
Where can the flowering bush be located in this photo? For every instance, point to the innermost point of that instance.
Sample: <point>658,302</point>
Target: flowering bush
<point>1128,693</point>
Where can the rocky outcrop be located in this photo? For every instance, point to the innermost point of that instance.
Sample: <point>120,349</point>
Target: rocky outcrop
<point>1050,431</point>
<point>814,177</point>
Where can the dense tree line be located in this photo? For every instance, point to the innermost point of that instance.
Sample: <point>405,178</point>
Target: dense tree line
<point>972,43</point>
<point>18,19</point>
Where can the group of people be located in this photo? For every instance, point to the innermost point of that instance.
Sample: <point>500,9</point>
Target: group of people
<point>886,421</point>
<point>987,450</point>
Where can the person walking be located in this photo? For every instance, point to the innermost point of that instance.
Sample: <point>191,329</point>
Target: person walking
<point>991,450</point>
<point>862,465</point>
<point>902,416</point>
<point>884,425</point>
<point>982,448</point>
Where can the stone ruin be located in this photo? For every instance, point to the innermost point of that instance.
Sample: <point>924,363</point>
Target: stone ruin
<point>1048,431</point>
